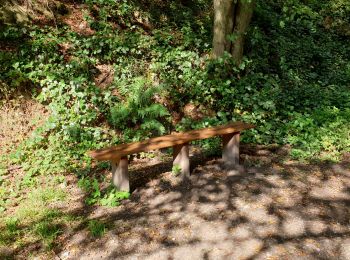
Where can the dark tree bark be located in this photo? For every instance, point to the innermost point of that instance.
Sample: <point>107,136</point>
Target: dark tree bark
<point>222,17</point>
<point>231,17</point>
<point>243,16</point>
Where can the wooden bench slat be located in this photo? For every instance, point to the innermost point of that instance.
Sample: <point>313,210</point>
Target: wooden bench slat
<point>116,152</point>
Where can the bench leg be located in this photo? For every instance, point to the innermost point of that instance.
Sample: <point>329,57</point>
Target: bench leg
<point>120,176</point>
<point>181,157</point>
<point>230,149</point>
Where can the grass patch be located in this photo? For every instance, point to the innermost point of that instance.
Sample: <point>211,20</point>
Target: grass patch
<point>35,206</point>
<point>9,230</point>
<point>47,232</point>
<point>96,228</point>
<point>34,220</point>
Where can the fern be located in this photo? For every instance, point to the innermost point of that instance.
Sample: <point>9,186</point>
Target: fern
<point>153,111</point>
<point>137,109</point>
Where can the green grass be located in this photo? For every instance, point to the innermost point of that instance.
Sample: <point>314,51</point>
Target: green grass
<point>47,231</point>
<point>36,204</point>
<point>34,220</point>
<point>96,228</point>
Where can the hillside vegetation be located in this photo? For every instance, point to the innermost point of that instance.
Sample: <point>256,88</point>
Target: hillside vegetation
<point>111,72</point>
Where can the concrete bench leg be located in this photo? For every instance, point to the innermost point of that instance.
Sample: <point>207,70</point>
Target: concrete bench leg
<point>181,157</point>
<point>120,176</point>
<point>230,149</point>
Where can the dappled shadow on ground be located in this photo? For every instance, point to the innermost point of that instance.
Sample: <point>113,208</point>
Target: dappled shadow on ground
<point>276,209</point>
<point>272,207</point>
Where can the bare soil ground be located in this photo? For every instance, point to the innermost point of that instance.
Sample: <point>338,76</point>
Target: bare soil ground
<point>271,208</point>
<point>18,118</point>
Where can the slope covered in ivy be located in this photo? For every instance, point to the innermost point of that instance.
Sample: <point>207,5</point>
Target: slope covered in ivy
<point>120,71</point>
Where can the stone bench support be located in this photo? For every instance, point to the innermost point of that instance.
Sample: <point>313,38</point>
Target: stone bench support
<point>120,175</point>
<point>181,157</point>
<point>230,149</point>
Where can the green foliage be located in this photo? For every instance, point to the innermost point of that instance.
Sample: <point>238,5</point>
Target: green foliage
<point>10,231</point>
<point>91,187</point>
<point>96,228</point>
<point>109,197</point>
<point>176,169</point>
<point>323,134</point>
<point>33,219</point>
<point>138,110</point>
<point>12,224</point>
<point>47,231</point>
<point>293,83</point>
<point>36,202</point>
<point>112,197</point>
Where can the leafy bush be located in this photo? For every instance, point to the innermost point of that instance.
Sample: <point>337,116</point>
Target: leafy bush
<point>293,83</point>
<point>138,110</point>
<point>109,197</point>
<point>323,134</point>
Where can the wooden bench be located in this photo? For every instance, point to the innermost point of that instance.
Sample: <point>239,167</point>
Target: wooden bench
<point>117,155</point>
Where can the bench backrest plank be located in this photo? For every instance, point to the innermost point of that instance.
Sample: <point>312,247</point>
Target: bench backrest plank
<point>116,152</point>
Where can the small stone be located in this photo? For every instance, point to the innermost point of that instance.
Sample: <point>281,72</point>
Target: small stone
<point>65,254</point>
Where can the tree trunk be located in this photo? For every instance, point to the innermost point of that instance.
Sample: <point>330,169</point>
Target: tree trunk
<point>231,17</point>
<point>230,23</point>
<point>221,18</point>
<point>243,15</point>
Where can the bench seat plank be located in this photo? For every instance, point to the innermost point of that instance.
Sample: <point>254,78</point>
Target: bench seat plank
<point>119,151</point>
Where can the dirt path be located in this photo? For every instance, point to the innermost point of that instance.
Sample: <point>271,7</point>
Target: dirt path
<point>273,209</point>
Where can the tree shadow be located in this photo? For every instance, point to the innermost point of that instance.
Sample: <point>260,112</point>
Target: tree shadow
<point>276,209</point>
